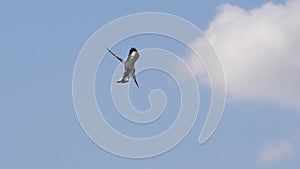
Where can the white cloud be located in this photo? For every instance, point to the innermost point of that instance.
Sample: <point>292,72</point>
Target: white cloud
<point>275,153</point>
<point>260,51</point>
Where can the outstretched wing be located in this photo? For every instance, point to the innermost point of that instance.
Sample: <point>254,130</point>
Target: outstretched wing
<point>117,57</point>
<point>136,82</point>
<point>134,78</point>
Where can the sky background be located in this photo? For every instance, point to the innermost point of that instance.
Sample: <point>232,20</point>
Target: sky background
<point>40,42</point>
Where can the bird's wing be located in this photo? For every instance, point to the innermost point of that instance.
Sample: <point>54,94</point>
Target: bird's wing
<point>136,82</point>
<point>134,78</point>
<point>117,57</point>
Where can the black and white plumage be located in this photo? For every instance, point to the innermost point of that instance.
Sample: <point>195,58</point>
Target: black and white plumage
<point>129,70</point>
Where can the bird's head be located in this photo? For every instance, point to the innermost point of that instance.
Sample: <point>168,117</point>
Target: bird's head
<point>132,50</point>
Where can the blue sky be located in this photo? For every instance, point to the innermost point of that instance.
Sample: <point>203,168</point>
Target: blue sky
<point>40,42</point>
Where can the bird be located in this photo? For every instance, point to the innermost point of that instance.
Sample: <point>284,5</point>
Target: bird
<point>128,65</point>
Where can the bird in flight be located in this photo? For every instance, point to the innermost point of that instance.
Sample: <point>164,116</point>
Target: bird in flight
<point>129,70</point>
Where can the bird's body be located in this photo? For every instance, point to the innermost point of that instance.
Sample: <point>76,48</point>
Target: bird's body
<point>129,70</point>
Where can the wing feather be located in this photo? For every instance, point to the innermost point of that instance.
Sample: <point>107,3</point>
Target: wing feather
<point>117,57</point>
